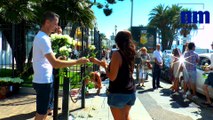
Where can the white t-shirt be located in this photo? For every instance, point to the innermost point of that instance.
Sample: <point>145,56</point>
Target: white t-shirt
<point>41,66</point>
<point>158,55</point>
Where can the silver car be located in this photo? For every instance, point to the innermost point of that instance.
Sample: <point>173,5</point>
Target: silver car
<point>206,58</point>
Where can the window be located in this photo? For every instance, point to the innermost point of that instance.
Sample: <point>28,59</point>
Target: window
<point>4,43</point>
<point>203,61</point>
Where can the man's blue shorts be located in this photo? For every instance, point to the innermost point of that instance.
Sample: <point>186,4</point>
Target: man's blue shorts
<point>121,100</point>
<point>43,97</point>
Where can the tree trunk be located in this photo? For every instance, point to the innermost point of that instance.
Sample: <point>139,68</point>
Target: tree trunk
<point>74,27</point>
<point>19,45</point>
<point>164,41</point>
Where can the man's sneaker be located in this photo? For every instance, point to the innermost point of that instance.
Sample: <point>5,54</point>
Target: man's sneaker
<point>185,100</point>
<point>188,93</point>
<point>176,93</point>
<point>181,91</point>
<point>184,96</point>
<point>194,97</point>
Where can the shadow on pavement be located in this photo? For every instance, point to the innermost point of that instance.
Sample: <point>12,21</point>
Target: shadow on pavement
<point>148,90</point>
<point>177,100</point>
<point>92,95</point>
<point>21,116</point>
<point>165,92</point>
<point>204,113</point>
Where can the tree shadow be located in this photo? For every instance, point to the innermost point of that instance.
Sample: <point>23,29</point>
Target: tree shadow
<point>21,116</point>
<point>17,100</point>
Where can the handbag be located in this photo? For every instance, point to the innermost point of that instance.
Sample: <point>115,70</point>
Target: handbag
<point>149,65</point>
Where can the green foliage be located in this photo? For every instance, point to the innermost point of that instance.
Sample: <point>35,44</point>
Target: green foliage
<point>90,85</point>
<point>15,11</point>
<point>10,81</point>
<point>5,72</point>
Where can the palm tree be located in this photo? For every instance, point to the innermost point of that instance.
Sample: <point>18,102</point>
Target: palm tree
<point>167,21</point>
<point>174,23</point>
<point>159,19</point>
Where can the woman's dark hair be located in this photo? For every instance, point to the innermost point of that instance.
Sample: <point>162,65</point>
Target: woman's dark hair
<point>191,45</point>
<point>176,52</point>
<point>49,16</point>
<point>125,44</point>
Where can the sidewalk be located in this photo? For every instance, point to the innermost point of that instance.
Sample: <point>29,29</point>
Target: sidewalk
<point>22,107</point>
<point>98,109</point>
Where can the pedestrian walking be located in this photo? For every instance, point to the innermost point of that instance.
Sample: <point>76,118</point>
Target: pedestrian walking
<point>192,59</point>
<point>208,83</point>
<point>43,63</point>
<point>121,91</point>
<point>158,64</point>
<point>143,66</point>
<point>114,48</point>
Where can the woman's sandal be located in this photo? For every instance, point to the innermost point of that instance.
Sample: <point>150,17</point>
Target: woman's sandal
<point>208,104</point>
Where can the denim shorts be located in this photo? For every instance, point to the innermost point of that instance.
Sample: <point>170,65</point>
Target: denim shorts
<point>44,97</point>
<point>121,100</point>
<point>190,77</point>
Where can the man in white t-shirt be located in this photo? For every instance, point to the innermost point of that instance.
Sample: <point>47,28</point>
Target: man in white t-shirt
<point>43,63</point>
<point>158,63</point>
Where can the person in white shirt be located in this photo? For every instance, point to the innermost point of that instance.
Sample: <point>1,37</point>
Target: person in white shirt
<point>43,63</point>
<point>158,64</point>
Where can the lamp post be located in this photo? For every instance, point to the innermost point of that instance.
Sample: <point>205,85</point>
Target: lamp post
<point>115,29</point>
<point>131,13</point>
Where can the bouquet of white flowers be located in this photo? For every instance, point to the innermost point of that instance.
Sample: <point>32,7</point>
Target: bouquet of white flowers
<point>62,45</point>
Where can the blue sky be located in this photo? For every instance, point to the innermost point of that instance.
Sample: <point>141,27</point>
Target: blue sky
<point>122,12</point>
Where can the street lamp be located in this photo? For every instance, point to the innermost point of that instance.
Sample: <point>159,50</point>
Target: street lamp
<point>131,13</point>
<point>115,29</point>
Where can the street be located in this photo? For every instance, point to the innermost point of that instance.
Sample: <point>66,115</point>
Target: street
<point>161,105</point>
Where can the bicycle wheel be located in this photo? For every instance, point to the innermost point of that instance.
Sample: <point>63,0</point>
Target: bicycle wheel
<point>75,94</point>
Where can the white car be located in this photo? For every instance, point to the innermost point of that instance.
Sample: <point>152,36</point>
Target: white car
<point>167,57</point>
<point>206,58</point>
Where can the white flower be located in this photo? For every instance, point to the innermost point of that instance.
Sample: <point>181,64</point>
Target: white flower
<point>63,48</point>
<point>68,39</point>
<point>92,47</point>
<point>69,49</point>
<point>206,64</point>
<point>74,42</point>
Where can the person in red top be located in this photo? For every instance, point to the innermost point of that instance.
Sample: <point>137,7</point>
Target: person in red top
<point>96,79</point>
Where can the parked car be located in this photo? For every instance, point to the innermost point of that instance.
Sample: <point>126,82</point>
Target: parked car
<point>167,59</point>
<point>206,58</point>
